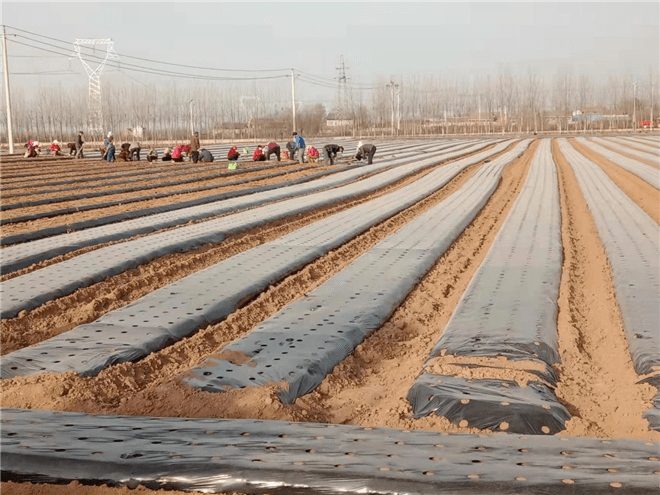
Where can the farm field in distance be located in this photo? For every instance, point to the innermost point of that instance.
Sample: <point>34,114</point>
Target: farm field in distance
<point>502,288</point>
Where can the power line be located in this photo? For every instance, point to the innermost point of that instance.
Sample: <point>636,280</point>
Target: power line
<point>161,72</point>
<point>156,61</point>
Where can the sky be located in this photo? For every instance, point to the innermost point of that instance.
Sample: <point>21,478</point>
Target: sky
<point>378,41</point>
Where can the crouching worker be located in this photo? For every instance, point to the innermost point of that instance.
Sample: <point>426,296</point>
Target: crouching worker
<point>55,149</point>
<point>72,148</point>
<point>205,155</point>
<point>272,149</point>
<point>110,151</point>
<point>134,150</point>
<point>167,155</point>
<point>152,156</point>
<point>330,151</point>
<point>177,154</point>
<point>233,154</point>
<point>366,151</point>
<point>258,155</point>
<point>33,149</point>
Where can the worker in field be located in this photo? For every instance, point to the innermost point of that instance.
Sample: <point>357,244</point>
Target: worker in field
<point>167,155</point>
<point>366,151</point>
<point>300,146</point>
<point>233,154</point>
<point>106,143</point>
<point>111,148</point>
<point>258,155</point>
<point>291,149</point>
<point>205,155</point>
<point>55,148</point>
<point>177,154</point>
<point>330,151</point>
<point>134,150</point>
<point>194,147</point>
<point>272,148</point>
<point>80,142</point>
<point>33,149</point>
<point>152,156</point>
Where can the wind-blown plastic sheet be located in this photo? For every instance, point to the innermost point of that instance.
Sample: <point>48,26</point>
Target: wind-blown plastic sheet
<point>17,257</point>
<point>508,309</point>
<point>641,170</point>
<point>227,455</point>
<point>180,308</point>
<point>302,343</point>
<point>32,289</point>
<point>632,243</point>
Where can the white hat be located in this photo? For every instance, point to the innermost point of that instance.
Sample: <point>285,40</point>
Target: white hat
<point>36,143</point>
<point>109,134</point>
<point>360,144</point>
<point>56,142</point>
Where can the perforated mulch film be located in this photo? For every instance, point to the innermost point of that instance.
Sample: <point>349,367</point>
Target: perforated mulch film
<point>213,455</point>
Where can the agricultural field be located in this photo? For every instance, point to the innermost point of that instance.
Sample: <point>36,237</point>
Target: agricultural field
<point>467,314</point>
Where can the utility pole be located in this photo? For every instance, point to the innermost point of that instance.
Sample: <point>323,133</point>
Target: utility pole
<point>293,98</point>
<point>391,85</point>
<point>95,108</point>
<point>10,135</point>
<point>341,90</point>
<point>191,103</point>
<point>634,107</point>
<point>651,73</point>
<point>398,111</point>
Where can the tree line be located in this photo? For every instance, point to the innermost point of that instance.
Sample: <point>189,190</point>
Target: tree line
<point>425,104</point>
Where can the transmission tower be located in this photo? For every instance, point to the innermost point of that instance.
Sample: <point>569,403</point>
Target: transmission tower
<point>94,99</point>
<point>342,93</point>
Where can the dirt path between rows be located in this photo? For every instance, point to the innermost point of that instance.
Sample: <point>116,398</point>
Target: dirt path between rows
<point>9,488</point>
<point>152,386</point>
<point>88,304</point>
<point>597,380</point>
<point>637,189</point>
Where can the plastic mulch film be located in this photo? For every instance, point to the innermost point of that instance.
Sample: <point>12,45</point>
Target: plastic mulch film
<point>34,288</point>
<point>641,170</point>
<point>632,243</point>
<point>180,308</point>
<point>509,309</point>
<point>277,457</point>
<point>174,214</point>
<point>304,341</point>
<point>510,306</point>
<point>499,405</point>
<point>632,147</point>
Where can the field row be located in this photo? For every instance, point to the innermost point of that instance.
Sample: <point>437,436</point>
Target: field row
<point>488,285</point>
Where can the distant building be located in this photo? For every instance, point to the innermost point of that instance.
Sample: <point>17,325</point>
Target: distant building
<point>334,120</point>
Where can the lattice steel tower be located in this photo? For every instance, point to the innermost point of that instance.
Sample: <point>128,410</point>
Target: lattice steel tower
<point>94,99</point>
<point>342,94</point>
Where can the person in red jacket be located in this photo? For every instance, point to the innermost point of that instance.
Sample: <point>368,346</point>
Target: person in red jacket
<point>55,148</point>
<point>177,154</point>
<point>233,154</point>
<point>258,154</point>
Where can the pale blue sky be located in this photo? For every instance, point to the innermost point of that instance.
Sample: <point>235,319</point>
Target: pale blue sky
<point>458,39</point>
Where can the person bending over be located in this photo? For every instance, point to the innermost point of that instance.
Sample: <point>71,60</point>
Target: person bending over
<point>134,149</point>
<point>272,149</point>
<point>177,154</point>
<point>33,149</point>
<point>167,155</point>
<point>330,151</point>
<point>55,148</point>
<point>366,151</point>
<point>205,155</point>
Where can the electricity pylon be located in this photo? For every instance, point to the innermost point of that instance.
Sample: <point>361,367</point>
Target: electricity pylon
<point>94,99</point>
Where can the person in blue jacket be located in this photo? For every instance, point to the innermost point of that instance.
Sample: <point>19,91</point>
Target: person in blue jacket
<point>300,142</point>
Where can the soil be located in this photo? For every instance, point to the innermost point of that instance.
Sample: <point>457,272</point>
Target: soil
<point>597,382</point>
